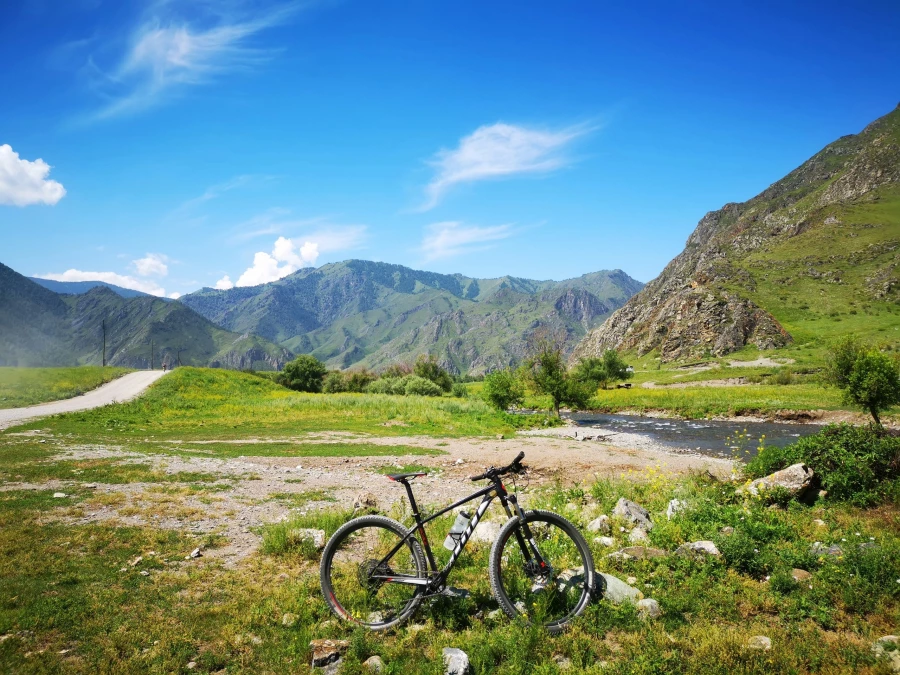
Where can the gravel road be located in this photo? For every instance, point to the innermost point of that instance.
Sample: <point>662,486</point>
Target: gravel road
<point>119,390</point>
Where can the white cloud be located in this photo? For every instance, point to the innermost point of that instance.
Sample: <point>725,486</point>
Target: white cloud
<point>446,239</point>
<point>498,150</point>
<point>175,295</point>
<point>225,283</point>
<point>23,182</point>
<point>167,53</point>
<point>122,280</point>
<point>152,265</point>
<point>289,255</point>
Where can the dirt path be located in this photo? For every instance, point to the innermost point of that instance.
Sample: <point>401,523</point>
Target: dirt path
<point>121,389</point>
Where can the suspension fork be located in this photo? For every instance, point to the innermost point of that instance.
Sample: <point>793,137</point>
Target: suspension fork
<point>526,542</point>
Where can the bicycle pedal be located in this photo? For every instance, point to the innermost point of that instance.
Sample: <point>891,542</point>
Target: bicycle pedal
<point>450,592</point>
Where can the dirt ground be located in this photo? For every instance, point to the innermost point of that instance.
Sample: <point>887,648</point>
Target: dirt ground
<point>253,491</point>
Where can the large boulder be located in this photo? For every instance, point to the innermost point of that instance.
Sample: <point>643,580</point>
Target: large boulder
<point>633,513</point>
<point>795,479</point>
<point>618,592</point>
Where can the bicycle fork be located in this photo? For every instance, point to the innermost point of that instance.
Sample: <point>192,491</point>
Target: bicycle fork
<point>533,557</point>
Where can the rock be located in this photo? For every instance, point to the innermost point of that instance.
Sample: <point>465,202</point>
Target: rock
<point>365,500</point>
<point>818,522</point>
<point>820,549</point>
<point>599,524</point>
<point>727,530</point>
<point>637,535</point>
<point>486,532</point>
<point>618,592</point>
<point>697,549</point>
<point>495,614</point>
<point>300,534</point>
<point>648,608</point>
<point>59,495</point>
<point>631,581</point>
<point>760,642</point>
<point>562,662</point>
<point>641,552</point>
<point>326,652</point>
<point>795,479</point>
<point>374,664</point>
<point>633,513</point>
<point>605,541</point>
<point>800,575</point>
<point>191,665</point>
<point>90,486</point>
<point>196,553</point>
<point>288,620</point>
<point>456,661</point>
<point>145,573</point>
<point>888,647</point>
<point>675,507</point>
<point>137,561</point>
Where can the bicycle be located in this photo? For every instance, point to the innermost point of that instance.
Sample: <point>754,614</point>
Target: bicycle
<point>376,572</point>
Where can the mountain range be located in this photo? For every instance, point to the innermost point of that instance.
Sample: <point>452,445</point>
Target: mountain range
<point>39,327</point>
<point>362,313</point>
<point>814,256</point>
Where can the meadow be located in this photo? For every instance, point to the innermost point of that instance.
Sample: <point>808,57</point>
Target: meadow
<point>28,386</point>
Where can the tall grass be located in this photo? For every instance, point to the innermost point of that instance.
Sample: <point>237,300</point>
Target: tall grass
<point>28,386</point>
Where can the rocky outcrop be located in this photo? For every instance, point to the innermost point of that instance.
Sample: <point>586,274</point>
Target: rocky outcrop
<point>701,303</point>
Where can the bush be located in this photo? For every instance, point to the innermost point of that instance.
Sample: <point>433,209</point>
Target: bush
<point>397,370</point>
<point>358,380</point>
<point>388,385</point>
<point>854,464</point>
<point>502,389</point>
<point>334,383</point>
<point>304,373</point>
<point>419,386</point>
<point>428,368</point>
<point>460,390</point>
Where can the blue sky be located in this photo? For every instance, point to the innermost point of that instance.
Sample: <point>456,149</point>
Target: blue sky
<point>185,144</point>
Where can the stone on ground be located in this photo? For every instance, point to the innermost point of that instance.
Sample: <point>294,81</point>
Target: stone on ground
<point>456,661</point>
<point>820,549</point>
<point>288,619</point>
<point>365,500</point>
<point>888,648</point>
<point>618,592</point>
<point>648,608</point>
<point>299,534</point>
<point>800,575</point>
<point>637,536</point>
<point>562,662</point>
<point>795,479</point>
<point>760,642</point>
<point>675,506</point>
<point>605,541</point>
<point>374,664</point>
<point>633,513</point>
<point>327,652</point>
<point>599,524</point>
<point>697,549</point>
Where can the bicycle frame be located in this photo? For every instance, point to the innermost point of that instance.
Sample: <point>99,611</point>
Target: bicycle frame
<point>436,578</point>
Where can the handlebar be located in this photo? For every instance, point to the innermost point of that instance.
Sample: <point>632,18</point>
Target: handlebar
<point>493,472</point>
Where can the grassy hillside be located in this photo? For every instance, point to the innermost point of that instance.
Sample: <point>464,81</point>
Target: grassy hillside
<point>374,314</point>
<point>28,386</point>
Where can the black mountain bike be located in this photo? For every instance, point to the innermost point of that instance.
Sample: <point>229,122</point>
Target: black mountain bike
<point>376,572</point>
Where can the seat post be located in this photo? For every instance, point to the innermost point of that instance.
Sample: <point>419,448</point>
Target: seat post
<point>412,499</point>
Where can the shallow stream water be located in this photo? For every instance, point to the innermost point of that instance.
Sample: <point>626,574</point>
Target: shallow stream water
<point>717,438</point>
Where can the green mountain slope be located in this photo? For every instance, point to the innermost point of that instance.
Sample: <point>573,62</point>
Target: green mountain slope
<point>77,287</point>
<point>814,256</point>
<point>40,327</point>
<point>369,313</point>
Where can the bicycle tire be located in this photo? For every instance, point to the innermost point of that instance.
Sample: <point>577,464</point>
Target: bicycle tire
<point>334,546</point>
<point>507,604</point>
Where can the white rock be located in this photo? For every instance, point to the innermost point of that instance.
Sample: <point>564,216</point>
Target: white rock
<point>600,524</point>
<point>456,661</point>
<point>675,506</point>
<point>760,642</point>
<point>637,535</point>
<point>888,647</point>
<point>648,608</point>
<point>299,534</point>
<point>605,541</point>
<point>196,553</point>
<point>618,592</point>
<point>698,549</point>
<point>562,662</point>
<point>374,664</point>
<point>633,513</point>
<point>289,619</point>
<point>59,495</point>
<point>795,479</point>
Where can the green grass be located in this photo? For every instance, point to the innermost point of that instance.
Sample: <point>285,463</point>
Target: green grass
<point>27,386</point>
<point>201,404</point>
<point>288,449</point>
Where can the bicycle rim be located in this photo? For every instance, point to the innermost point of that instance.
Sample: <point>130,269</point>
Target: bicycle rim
<point>553,595</point>
<point>355,572</point>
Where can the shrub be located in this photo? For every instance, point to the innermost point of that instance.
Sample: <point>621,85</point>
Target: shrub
<point>419,386</point>
<point>783,376</point>
<point>304,373</point>
<point>460,390</point>
<point>396,370</point>
<point>334,383</point>
<point>854,464</point>
<point>597,372</point>
<point>388,385</point>
<point>428,368</point>
<point>502,389</point>
<point>358,380</point>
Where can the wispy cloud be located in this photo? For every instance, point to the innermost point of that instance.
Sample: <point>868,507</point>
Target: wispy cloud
<point>166,53</point>
<point>443,240</point>
<point>500,150</point>
<point>23,182</point>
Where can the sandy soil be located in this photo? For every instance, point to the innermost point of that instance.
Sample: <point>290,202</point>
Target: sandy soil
<point>761,362</point>
<point>250,490</point>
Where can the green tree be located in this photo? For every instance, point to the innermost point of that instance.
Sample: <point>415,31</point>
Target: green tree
<point>334,382</point>
<point>595,372</point>
<point>357,380</point>
<point>503,389</point>
<point>305,373</point>
<point>868,378</point>
<point>430,369</point>
<point>548,375</point>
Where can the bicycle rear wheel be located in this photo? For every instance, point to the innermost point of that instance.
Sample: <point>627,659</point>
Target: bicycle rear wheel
<point>552,594</point>
<point>356,572</point>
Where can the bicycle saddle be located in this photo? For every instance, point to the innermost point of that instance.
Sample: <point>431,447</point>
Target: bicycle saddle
<point>403,476</point>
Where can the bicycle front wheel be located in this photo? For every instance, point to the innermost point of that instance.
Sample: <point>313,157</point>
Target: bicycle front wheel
<point>359,574</point>
<point>546,578</point>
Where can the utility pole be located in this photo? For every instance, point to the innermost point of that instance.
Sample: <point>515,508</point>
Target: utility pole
<point>103,324</point>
